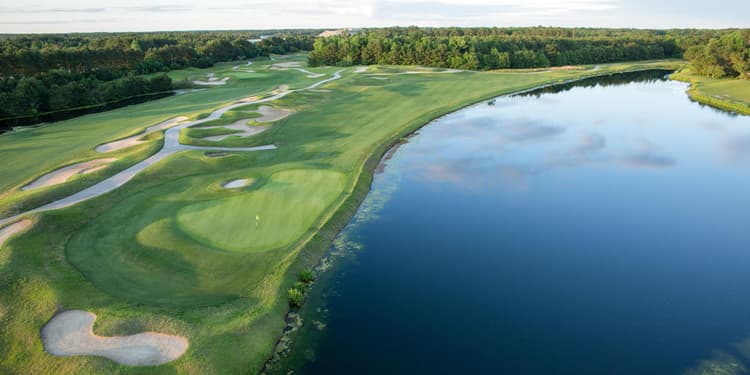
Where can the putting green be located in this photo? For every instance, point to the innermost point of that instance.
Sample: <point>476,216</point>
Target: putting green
<point>274,216</point>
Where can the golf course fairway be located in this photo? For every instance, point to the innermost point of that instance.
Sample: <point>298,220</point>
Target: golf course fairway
<point>172,251</point>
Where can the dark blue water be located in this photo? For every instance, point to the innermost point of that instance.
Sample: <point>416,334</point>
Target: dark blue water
<point>598,230</point>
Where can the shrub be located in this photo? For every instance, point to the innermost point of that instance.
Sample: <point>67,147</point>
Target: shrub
<point>307,276</point>
<point>296,297</point>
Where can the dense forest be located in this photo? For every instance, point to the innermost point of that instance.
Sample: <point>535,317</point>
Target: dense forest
<point>42,74</point>
<point>724,56</point>
<point>497,48</point>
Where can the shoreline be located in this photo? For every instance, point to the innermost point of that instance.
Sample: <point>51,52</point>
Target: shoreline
<point>363,184</point>
<point>707,100</point>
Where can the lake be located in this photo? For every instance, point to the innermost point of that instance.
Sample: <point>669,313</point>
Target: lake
<point>601,227</point>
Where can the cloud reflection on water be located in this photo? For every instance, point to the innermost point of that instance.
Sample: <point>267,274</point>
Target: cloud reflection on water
<point>472,152</point>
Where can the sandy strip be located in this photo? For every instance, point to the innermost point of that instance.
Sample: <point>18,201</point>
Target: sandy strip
<point>271,114</point>
<point>134,140</point>
<point>447,71</point>
<point>268,114</point>
<point>288,64</point>
<point>186,91</point>
<point>241,125</point>
<point>13,229</point>
<point>236,184</point>
<point>71,333</point>
<point>360,69</point>
<point>215,82</point>
<point>63,174</point>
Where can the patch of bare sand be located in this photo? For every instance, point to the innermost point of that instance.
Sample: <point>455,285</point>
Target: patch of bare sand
<point>360,69</point>
<point>424,71</point>
<point>11,230</point>
<point>213,81</point>
<point>63,174</point>
<point>134,140</point>
<point>268,114</point>
<point>241,125</point>
<point>71,333</point>
<point>271,114</point>
<point>236,184</point>
<point>288,64</point>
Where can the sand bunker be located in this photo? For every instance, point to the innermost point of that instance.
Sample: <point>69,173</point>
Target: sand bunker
<point>13,229</point>
<point>271,114</point>
<point>268,114</point>
<point>134,140</point>
<point>360,69</point>
<point>215,82</point>
<point>241,125</point>
<point>288,64</point>
<point>236,184</point>
<point>71,333</point>
<point>63,174</point>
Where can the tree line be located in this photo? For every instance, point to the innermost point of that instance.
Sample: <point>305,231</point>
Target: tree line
<point>494,48</point>
<point>727,55</point>
<point>40,74</point>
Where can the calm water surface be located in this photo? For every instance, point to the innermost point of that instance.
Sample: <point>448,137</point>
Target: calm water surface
<point>597,230</point>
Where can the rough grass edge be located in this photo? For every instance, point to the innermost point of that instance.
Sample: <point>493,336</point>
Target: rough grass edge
<point>698,97</point>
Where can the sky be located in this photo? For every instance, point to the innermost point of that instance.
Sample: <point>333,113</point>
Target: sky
<point>39,16</point>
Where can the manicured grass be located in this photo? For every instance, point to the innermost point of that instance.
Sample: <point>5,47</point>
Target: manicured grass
<point>727,94</point>
<point>275,215</point>
<point>172,251</point>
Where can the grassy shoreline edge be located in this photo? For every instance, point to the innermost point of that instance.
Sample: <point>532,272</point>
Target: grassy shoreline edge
<point>697,96</point>
<point>313,251</point>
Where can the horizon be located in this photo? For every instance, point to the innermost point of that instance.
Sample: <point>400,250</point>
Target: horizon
<point>78,16</point>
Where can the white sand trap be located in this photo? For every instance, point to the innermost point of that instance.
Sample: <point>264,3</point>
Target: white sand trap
<point>236,184</point>
<point>13,229</point>
<point>63,174</point>
<point>288,64</point>
<point>71,333</point>
<point>134,140</point>
<point>186,91</point>
<point>241,125</point>
<point>360,69</point>
<point>214,82</point>
<point>271,114</point>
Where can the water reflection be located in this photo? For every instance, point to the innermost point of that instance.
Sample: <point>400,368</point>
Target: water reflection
<point>598,230</point>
